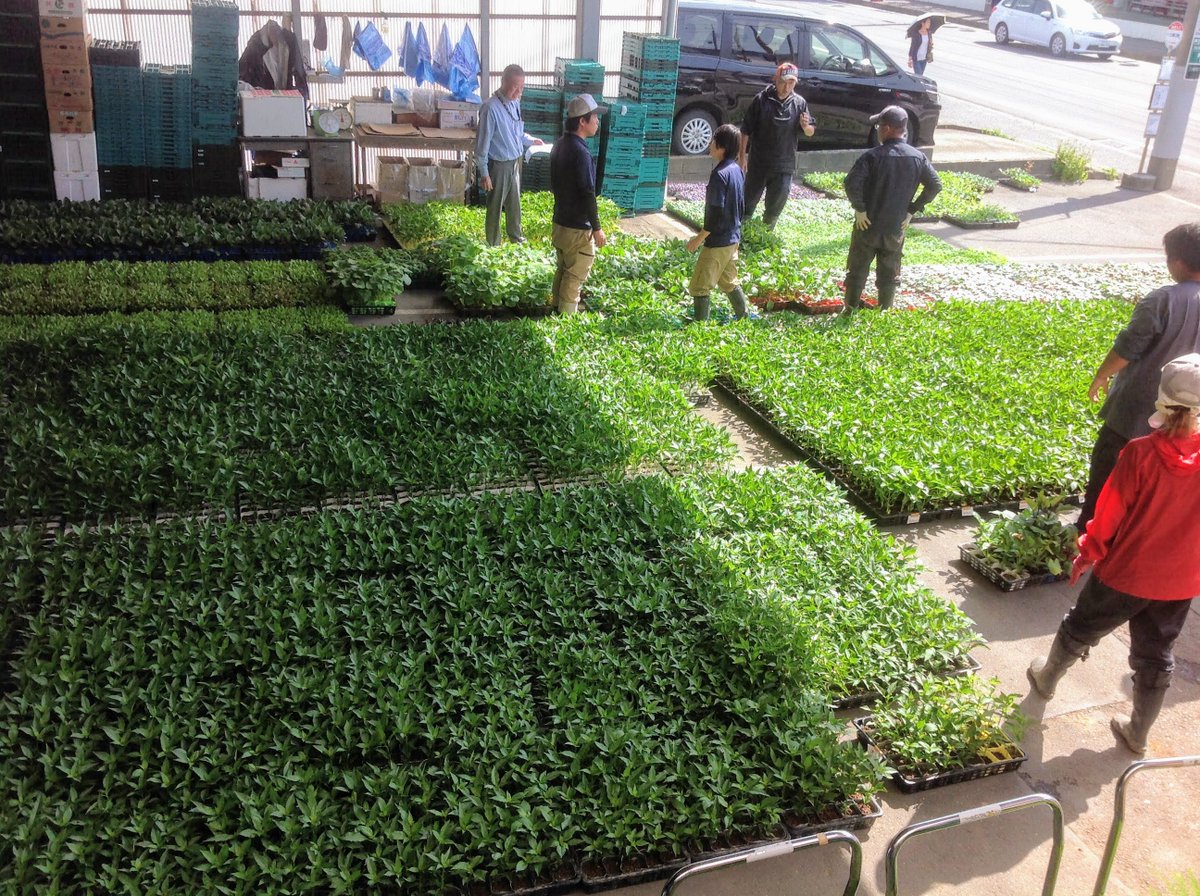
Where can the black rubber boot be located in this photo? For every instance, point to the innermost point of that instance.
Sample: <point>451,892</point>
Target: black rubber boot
<point>701,304</point>
<point>737,299</point>
<point>1134,730</point>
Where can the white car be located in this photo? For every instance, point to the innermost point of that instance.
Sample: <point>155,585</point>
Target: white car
<point>1065,26</point>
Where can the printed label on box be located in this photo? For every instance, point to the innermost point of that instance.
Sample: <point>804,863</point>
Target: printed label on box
<point>71,121</point>
<point>61,7</point>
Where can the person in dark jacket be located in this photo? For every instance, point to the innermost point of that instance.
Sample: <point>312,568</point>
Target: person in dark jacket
<point>1141,550</point>
<point>775,119</point>
<point>721,235</point>
<point>882,186</point>
<point>1165,324</point>
<point>577,233</point>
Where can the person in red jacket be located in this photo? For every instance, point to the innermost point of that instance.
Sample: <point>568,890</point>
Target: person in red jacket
<point>1141,549</point>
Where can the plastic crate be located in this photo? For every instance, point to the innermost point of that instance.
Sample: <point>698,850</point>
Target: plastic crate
<point>1009,761</point>
<point>650,46</point>
<point>115,54</point>
<point>122,182</point>
<point>653,171</point>
<point>624,117</point>
<point>1003,579</point>
<point>651,77</point>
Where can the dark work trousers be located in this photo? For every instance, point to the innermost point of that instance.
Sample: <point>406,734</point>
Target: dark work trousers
<point>1104,457</point>
<point>885,251</point>
<point>776,184</point>
<point>1153,627</point>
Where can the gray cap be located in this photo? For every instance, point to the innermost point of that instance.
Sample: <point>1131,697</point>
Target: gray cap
<point>583,105</point>
<point>892,116</point>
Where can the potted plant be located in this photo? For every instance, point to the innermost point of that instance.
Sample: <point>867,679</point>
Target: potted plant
<point>368,280</point>
<point>942,731</point>
<point>1031,546</point>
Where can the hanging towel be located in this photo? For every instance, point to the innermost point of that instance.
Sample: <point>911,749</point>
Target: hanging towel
<point>408,50</point>
<point>320,33</point>
<point>424,68</point>
<point>464,68</point>
<point>368,43</point>
<point>441,59</point>
<point>347,42</point>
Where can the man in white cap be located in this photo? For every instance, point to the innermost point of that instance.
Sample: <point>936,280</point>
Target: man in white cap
<point>882,186</point>
<point>499,144</point>
<point>577,233</point>
<point>1141,550</point>
<point>1165,324</point>
<point>774,121</point>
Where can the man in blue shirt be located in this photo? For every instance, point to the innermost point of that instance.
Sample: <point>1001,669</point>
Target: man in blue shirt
<point>577,232</point>
<point>724,201</point>
<point>499,145</point>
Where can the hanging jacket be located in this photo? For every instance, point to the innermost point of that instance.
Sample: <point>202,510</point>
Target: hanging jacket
<point>253,69</point>
<point>1143,539</point>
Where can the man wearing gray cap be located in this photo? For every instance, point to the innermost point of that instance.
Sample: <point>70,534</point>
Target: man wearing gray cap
<point>577,232</point>
<point>882,187</point>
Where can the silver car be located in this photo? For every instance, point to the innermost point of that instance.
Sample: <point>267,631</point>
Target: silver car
<point>1065,26</point>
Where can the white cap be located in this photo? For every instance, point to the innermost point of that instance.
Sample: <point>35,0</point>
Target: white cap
<point>583,105</point>
<point>1180,387</point>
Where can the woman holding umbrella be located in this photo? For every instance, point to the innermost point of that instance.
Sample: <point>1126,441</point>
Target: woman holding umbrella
<point>920,41</point>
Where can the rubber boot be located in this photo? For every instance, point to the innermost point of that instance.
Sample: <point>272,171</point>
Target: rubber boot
<point>1045,672</point>
<point>568,307</point>
<point>1134,730</point>
<point>887,296</point>
<point>737,299</point>
<point>702,305</point>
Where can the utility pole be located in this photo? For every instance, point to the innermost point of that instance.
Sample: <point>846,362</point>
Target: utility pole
<point>1173,126</point>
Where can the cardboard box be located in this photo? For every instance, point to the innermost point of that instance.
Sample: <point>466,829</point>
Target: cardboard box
<point>279,157</point>
<point>295,162</point>
<point>451,180</point>
<point>72,121</point>
<point>289,173</point>
<point>278,189</point>
<point>54,27</point>
<point>67,78</point>
<point>77,186</point>
<point>273,113</point>
<point>392,179</point>
<point>458,118</point>
<point>65,52</point>
<point>69,8</point>
<point>458,105</point>
<point>68,99</point>
<point>367,110</point>
<point>420,119</point>
<point>74,153</point>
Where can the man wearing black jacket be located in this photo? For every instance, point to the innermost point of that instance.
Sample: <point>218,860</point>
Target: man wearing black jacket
<point>577,232</point>
<point>882,187</point>
<point>770,131</point>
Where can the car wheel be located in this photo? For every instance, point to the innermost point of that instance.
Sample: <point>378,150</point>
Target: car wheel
<point>694,130</point>
<point>914,131</point>
<point>1058,45</point>
<point>1104,57</point>
<point>1001,33</point>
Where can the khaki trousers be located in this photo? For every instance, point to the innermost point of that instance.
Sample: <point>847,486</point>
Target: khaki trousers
<point>576,252</point>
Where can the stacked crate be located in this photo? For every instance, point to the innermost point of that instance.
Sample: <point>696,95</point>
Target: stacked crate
<point>542,110</point>
<point>649,72</point>
<point>216,159</point>
<point>25,169</point>
<point>69,100</point>
<point>120,118</point>
<point>624,131</point>
<point>576,76</point>
<point>167,96</point>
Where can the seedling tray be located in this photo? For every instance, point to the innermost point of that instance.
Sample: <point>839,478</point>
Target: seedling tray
<point>862,819</point>
<point>855,701</point>
<point>878,515</point>
<point>980,225</point>
<point>1003,758</point>
<point>1001,578</point>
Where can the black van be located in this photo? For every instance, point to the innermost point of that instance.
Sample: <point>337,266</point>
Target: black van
<point>728,52</point>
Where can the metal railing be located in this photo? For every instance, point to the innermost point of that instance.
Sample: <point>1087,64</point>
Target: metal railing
<point>971,816</point>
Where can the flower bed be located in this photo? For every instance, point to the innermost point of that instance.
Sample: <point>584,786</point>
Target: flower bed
<point>919,412</point>
<point>498,687</point>
<point>206,229</point>
<point>113,286</point>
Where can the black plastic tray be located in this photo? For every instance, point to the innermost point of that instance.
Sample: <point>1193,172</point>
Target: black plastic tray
<point>910,784</point>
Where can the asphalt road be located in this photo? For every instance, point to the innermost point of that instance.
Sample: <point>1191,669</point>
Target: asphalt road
<point>1025,93</point>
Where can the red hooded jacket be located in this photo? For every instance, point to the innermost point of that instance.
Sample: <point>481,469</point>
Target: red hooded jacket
<point>1145,536</point>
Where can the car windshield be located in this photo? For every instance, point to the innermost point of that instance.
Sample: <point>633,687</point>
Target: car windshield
<point>1075,9</point>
